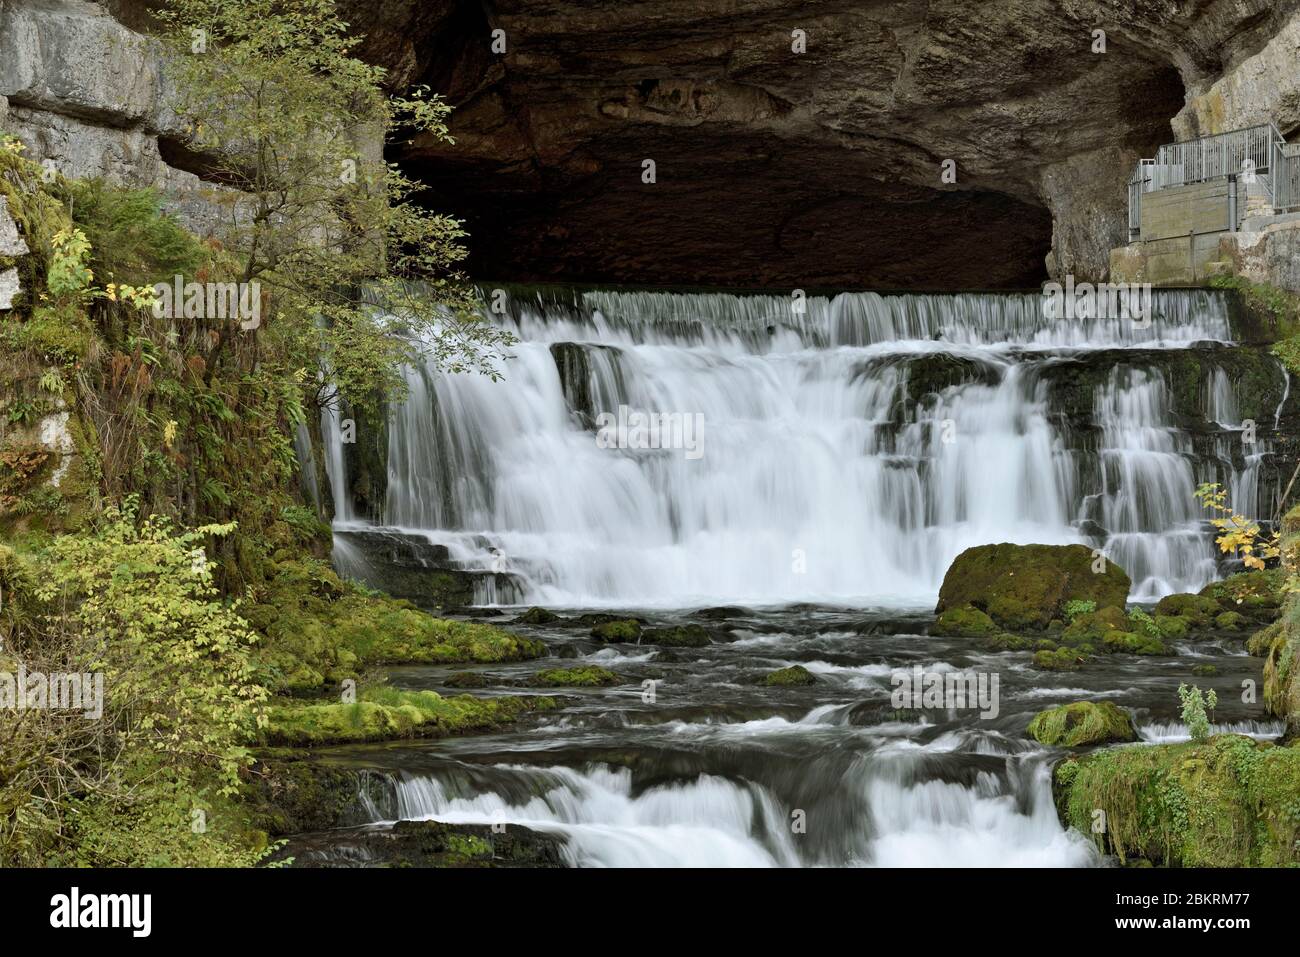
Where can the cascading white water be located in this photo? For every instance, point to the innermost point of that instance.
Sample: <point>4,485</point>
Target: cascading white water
<point>834,466</point>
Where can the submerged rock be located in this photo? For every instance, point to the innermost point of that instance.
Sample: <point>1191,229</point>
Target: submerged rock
<point>427,844</point>
<point>1026,587</point>
<point>679,636</point>
<point>537,616</point>
<point>588,676</point>
<point>1081,723</point>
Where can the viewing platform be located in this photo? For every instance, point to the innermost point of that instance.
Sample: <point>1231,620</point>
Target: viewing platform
<point>1189,205</point>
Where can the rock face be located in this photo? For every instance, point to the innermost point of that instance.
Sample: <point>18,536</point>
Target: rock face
<point>1025,587</point>
<point>794,144</point>
<point>822,167</point>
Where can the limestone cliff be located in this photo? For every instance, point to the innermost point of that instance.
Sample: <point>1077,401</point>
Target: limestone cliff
<point>795,144</point>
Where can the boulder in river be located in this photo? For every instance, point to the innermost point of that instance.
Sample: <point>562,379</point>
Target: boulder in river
<point>787,677</point>
<point>1082,723</point>
<point>1025,587</point>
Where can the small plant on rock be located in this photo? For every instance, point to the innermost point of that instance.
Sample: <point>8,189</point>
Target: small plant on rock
<point>1194,707</point>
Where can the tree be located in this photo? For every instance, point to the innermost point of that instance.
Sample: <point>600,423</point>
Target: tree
<point>289,127</point>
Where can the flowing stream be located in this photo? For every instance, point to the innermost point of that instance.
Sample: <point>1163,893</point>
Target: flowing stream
<point>825,461</point>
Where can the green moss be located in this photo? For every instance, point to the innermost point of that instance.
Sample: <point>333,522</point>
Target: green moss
<point>1082,723</point>
<point>785,677</point>
<point>1005,641</point>
<point>624,630</point>
<point>1063,659</point>
<point>321,630</point>
<point>1095,627</point>
<point>679,636</point>
<point>382,713</point>
<point>1231,621</point>
<point>1226,802</point>
<point>587,676</point>
<point>537,616</point>
<point>964,622</point>
<point>1026,587</point>
<point>1127,642</point>
<point>1205,671</point>
<point>1197,611</point>
<point>1171,628</point>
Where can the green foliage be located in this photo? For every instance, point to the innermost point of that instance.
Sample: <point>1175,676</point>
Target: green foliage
<point>1193,709</point>
<point>134,603</point>
<point>1143,624</point>
<point>1076,607</point>
<point>281,109</point>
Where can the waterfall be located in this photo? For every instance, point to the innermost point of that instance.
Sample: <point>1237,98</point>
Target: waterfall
<point>850,446</point>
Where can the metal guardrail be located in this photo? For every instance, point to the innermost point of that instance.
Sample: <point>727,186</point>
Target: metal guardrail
<point>1258,155</point>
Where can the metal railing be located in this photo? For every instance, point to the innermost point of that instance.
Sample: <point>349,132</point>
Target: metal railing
<point>1257,155</point>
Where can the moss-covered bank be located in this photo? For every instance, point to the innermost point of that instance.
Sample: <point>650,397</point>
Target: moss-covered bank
<point>1227,802</point>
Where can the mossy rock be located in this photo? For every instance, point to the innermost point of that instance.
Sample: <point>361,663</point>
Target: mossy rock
<point>537,616</point>
<point>1005,641</point>
<point>619,631</point>
<point>588,676</point>
<point>467,679</point>
<point>1197,610</point>
<point>1205,671</point>
<point>787,677</point>
<point>1132,643</point>
<point>1082,723</point>
<point>678,636</point>
<point>964,622</point>
<point>290,794</point>
<point>1259,643</point>
<point>1094,626</point>
<point>384,714</point>
<point>1256,595</point>
<point>1225,802</point>
<point>1063,659</point>
<point>1171,628</point>
<point>1025,587</point>
<point>1231,621</point>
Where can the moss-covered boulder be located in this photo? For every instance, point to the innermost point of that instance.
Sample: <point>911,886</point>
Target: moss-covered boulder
<point>1025,587</point>
<point>1062,659</point>
<point>786,677</point>
<point>1094,627</point>
<point>1170,628</point>
<point>619,631</point>
<point>1134,643</point>
<point>1197,611</point>
<point>537,616</point>
<point>383,714</point>
<point>1225,802</point>
<point>678,636</point>
<point>588,676</point>
<point>1231,621</point>
<point>1082,723</point>
<point>1255,595</point>
<point>964,622</point>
